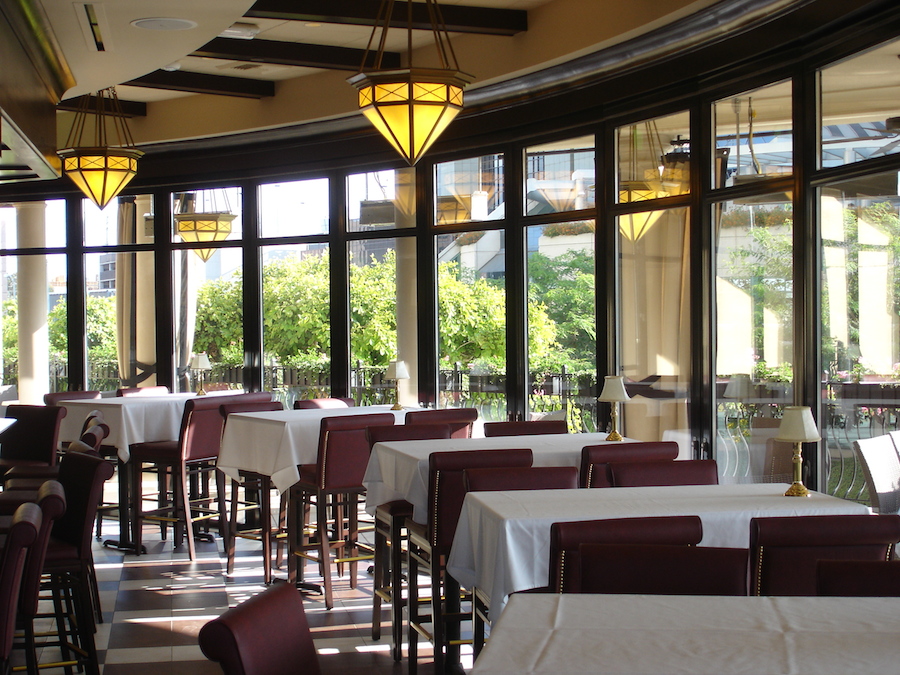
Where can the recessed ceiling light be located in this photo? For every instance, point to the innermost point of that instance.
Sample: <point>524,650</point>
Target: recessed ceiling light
<point>164,23</point>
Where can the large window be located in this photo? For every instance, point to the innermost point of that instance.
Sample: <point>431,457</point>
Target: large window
<point>754,330</point>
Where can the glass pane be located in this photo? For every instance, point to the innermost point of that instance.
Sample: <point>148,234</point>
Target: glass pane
<point>472,322</point>
<point>860,113</point>
<point>102,226</point>
<point>294,208</point>
<point>209,318</point>
<point>296,321</point>
<point>754,135</point>
<point>562,349</point>
<point>755,323</point>
<point>469,189</point>
<point>560,176</point>
<point>654,158</point>
<point>656,334</point>
<point>206,216</point>
<point>860,225</point>
<point>383,319</point>
<point>381,200</point>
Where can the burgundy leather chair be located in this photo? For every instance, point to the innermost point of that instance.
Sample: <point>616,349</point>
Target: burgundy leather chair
<point>786,550</point>
<point>334,485</point>
<point>260,485</point>
<point>522,478</point>
<point>534,428</point>
<point>23,530</point>
<point>194,453</point>
<point>332,402</point>
<point>596,458</point>
<point>658,569</point>
<point>566,537</point>
<point>33,439</point>
<point>54,397</point>
<point>429,546</point>
<point>390,536</point>
<point>511,478</point>
<point>459,419</point>
<point>668,472</point>
<point>31,477</point>
<point>858,578</point>
<point>265,635</point>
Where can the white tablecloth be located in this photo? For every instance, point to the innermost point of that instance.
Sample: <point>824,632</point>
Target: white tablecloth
<point>131,419</point>
<point>399,470</point>
<point>502,542</point>
<point>274,443</point>
<point>654,635</point>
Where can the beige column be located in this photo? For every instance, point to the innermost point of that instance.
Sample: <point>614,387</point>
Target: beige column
<point>31,277</point>
<point>407,337</point>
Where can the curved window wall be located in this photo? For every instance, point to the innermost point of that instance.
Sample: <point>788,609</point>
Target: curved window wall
<point>696,246</point>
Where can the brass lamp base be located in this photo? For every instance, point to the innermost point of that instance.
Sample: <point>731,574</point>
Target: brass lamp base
<point>614,436</point>
<point>797,490</point>
<point>397,406</point>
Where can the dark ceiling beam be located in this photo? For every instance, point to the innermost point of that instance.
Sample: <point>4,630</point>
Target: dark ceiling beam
<point>458,19</point>
<point>290,54</point>
<point>197,83</point>
<point>129,108</point>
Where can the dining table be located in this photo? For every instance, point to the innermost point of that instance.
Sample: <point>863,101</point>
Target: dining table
<point>399,469</point>
<point>549,634</point>
<point>502,542</point>
<point>131,419</point>
<point>275,443</point>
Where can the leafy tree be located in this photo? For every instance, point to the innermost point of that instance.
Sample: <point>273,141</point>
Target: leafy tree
<point>220,320</point>
<point>100,315</point>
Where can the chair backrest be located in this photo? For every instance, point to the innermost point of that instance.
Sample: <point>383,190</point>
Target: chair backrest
<point>54,397</point>
<point>785,549</point>
<point>881,468</point>
<point>92,418</point>
<point>331,402</point>
<point>51,499</point>
<point>659,569</point>
<point>447,486</point>
<point>405,432</point>
<point>265,635</point>
<point>91,439</point>
<point>858,578</point>
<point>566,537</point>
<point>534,428</point>
<point>82,476</point>
<point>26,523</point>
<point>522,478</point>
<point>344,450</point>
<point>202,424</point>
<point>667,472</point>
<point>459,419</point>
<point>157,390</point>
<point>249,406</point>
<point>595,459</point>
<point>34,437</point>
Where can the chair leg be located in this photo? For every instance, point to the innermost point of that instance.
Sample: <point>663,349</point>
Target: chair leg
<point>324,550</point>
<point>412,602</point>
<point>137,510</point>
<point>395,553</point>
<point>231,537</point>
<point>183,505</point>
<point>265,526</point>
<point>437,612</point>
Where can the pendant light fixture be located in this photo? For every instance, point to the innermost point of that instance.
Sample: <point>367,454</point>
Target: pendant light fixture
<point>100,156</point>
<point>410,106</point>
<point>203,220</point>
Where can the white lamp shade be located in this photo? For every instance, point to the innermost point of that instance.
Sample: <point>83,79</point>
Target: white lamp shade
<point>397,370</point>
<point>738,387</point>
<point>200,362</point>
<point>798,425</point>
<point>613,389</point>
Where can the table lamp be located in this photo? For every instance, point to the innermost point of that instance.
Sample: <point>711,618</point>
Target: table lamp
<point>397,371</point>
<point>614,392</point>
<point>797,427</point>
<point>200,363</point>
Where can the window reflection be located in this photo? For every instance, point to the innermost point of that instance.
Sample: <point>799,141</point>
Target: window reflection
<point>560,176</point>
<point>653,159</point>
<point>469,189</point>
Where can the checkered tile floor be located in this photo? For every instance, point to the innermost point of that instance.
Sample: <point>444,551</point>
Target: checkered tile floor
<point>155,604</point>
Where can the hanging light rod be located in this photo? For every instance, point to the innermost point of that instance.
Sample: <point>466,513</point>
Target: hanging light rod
<point>410,106</point>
